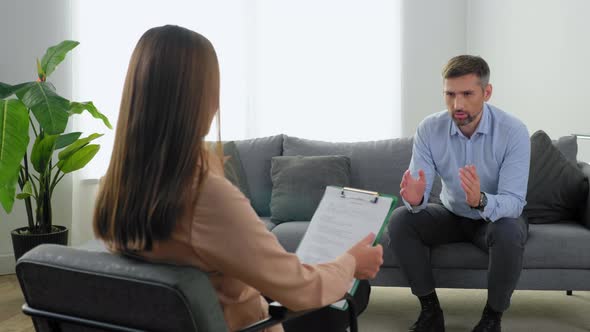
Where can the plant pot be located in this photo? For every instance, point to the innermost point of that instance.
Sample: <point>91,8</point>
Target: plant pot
<point>21,243</point>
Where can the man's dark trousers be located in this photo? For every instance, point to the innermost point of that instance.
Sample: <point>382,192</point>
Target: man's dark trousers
<point>503,240</point>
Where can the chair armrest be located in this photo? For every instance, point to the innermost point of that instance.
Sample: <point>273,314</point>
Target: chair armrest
<point>585,215</point>
<point>93,324</point>
<point>123,291</point>
<point>279,314</point>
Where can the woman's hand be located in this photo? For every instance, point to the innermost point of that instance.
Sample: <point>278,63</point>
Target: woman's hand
<point>368,258</point>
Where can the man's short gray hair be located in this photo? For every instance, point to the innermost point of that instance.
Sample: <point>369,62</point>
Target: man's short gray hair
<point>462,65</point>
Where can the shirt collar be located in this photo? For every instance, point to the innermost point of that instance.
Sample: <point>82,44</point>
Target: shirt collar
<point>484,126</point>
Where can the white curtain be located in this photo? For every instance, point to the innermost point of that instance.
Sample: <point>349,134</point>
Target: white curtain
<point>327,70</point>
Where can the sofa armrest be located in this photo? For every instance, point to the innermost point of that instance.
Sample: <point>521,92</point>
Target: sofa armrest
<point>585,210</point>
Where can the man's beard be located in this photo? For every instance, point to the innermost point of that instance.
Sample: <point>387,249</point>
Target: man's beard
<point>467,120</point>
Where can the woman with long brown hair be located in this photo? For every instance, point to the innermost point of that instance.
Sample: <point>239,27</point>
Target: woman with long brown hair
<point>164,196</point>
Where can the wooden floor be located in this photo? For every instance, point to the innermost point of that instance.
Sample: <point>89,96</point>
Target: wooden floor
<point>394,309</point>
<point>11,300</point>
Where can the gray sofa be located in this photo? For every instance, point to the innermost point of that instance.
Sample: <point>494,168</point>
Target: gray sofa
<point>557,255</point>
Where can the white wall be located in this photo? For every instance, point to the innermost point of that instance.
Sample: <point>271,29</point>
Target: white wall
<point>327,70</point>
<point>433,31</point>
<point>84,195</point>
<point>538,52</point>
<point>27,28</point>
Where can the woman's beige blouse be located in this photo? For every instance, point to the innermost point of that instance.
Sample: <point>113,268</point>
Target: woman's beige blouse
<point>226,238</point>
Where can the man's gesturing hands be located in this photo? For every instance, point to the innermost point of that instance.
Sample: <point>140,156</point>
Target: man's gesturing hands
<point>470,185</point>
<point>411,189</point>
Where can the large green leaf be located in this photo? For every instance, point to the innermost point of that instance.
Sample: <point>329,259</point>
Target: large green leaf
<point>14,138</point>
<point>42,152</point>
<point>66,139</point>
<point>7,191</point>
<point>55,55</point>
<point>79,158</point>
<point>77,145</point>
<point>5,90</point>
<point>77,108</point>
<point>26,192</point>
<point>21,89</point>
<point>50,109</point>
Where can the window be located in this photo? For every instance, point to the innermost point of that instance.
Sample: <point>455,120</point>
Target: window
<point>327,70</point>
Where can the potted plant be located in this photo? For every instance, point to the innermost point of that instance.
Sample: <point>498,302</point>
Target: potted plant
<point>34,112</point>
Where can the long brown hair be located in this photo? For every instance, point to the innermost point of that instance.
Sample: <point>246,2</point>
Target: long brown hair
<point>159,158</point>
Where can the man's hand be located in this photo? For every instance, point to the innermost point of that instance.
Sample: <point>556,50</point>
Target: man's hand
<point>470,185</point>
<point>411,189</point>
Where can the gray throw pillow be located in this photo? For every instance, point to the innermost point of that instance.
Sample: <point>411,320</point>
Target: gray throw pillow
<point>557,188</point>
<point>568,145</point>
<point>298,184</point>
<point>374,165</point>
<point>255,155</point>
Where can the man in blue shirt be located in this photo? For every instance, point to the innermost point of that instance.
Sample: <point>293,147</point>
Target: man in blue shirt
<point>482,156</point>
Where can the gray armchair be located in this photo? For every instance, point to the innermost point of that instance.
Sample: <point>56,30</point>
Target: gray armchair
<point>69,289</point>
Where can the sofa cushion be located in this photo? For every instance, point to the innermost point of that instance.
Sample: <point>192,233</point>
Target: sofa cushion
<point>556,188</point>
<point>256,155</point>
<point>267,223</point>
<point>551,246</point>
<point>563,246</point>
<point>375,165</point>
<point>290,234</point>
<point>298,184</point>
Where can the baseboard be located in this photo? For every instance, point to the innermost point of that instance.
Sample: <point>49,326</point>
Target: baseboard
<point>7,264</point>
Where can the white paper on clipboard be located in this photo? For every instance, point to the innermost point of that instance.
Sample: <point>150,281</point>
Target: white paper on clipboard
<point>343,217</point>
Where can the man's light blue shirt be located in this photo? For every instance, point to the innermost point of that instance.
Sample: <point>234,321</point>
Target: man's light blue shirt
<point>500,150</point>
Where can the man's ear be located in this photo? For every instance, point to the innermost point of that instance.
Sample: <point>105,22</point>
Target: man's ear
<point>487,92</point>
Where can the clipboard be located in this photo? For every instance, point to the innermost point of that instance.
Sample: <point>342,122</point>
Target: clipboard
<point>343,217</point>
